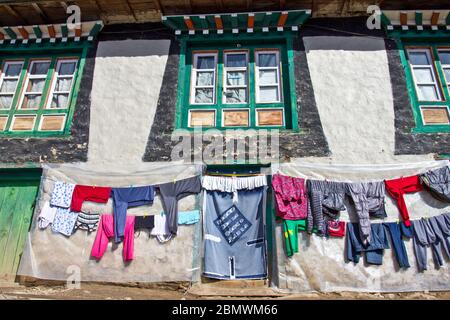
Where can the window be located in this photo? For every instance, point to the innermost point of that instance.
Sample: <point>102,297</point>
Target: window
<point>268,86</point>
<point>428,78</point>
<point>36,93</point>
<point>236,85</point>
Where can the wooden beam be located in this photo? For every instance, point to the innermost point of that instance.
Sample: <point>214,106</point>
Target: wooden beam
<point>15,14</point>
<point>249,4</point>
<point>159,6</point>
<point>64,5</point>
<point>2,36</point>
<point>435,18</point>
<point>130,10</point>
<point>282,4</point>
<point>251,21</point>
<point>10,32</point>
<point>78,32</point>
<point>41,13</point>
<point>37,31</point>
<point>219,4</point>
<point>188,6</point>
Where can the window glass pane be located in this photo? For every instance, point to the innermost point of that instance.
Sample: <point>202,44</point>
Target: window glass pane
<point>423,75</point>
<point>66,68</point>
<point>205,62</point>
<point>63,84</point>
<point>31,101</point>
<point>447,75</point>
<point>268,94</point>
<point>444,56</point>
<point>428,93</point>
<point>236,95</point>
<point>268,76</point>
<point>203,95</point>
<point>5,101</point>
<point>236,78</point>
<point>8,85</point>
<point>40,68</point>
<point>267,60</point>
<point>205,78</point>
<point>236,60</point>
<point>418,58</point>
<point>13,70</point>
<point>59,101</point>
<point>35,85</point>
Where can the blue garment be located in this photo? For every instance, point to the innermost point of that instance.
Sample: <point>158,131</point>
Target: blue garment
<point>124,198</point>
<point>374,251</point>
<point>397,231</point>
<point>235,235</point>
<point>189,217</point>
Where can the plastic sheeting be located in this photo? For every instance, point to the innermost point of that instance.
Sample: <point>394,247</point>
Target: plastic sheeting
<point>320,264</point>
<point>48,255</point>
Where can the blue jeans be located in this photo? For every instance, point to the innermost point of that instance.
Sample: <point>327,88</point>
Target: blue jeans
<point>397,231</point>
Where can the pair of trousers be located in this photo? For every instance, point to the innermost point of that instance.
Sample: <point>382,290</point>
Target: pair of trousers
<point>434,232</point>
<point>398,187</point>
<point>397,231</point>
<point>106,231</point>
<point>374,251</point>
<point>324,197</point>
<point>368,199</point>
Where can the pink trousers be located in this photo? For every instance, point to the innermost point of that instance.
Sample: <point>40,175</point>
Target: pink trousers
<point>106,231</point>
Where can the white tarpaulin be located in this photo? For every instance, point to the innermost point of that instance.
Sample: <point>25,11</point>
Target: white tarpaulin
<point>48,255</point>
<point>320,266</point>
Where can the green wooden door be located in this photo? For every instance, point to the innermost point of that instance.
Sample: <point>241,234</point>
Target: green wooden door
<point>17,200</point>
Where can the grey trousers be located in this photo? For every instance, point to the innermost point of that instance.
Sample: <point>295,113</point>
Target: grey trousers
<point>235,242</point>
<point>424,237</point>
<point>369,201</point>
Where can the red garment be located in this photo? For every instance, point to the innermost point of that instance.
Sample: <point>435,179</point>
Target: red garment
<point>290,196</point>
<point>88,193</point>
<point>398,187</point>
<point>336,228</point>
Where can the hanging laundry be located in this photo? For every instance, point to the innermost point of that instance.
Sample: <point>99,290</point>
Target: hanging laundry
<point>291,229</point>
<point>397,231</point>
<point>290,197</point>
<point>189,217</point>
<point>64,221</point>
<point>106,231</point>
<point>161,230</point>
<point>438,183</point>
<point>87,221</point>
<point>172,192</point>
<point>62,194</point>
<point>88,193</point>
<point>434,232</point>
<point>398,187</point>
<point>47,215</point>
<point>324,197</point>
<point>374,251</point>
<point>336,228</point>
<point>124,198</point>
<point>368,199</point>
<point>234,230</point>
<point>233,184</point>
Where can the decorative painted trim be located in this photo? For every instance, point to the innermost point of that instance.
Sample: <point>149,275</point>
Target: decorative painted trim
<point>416,21</point>
<point>51,33</point>
<point>235,23</point>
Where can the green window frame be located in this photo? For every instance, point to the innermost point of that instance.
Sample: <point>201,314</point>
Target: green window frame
<point>220,46</point>
<point>55,89</point>
<point>433,77</point>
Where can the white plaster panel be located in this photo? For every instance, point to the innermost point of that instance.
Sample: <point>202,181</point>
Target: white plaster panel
<point>127,79</point>
<point>352,88</point>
